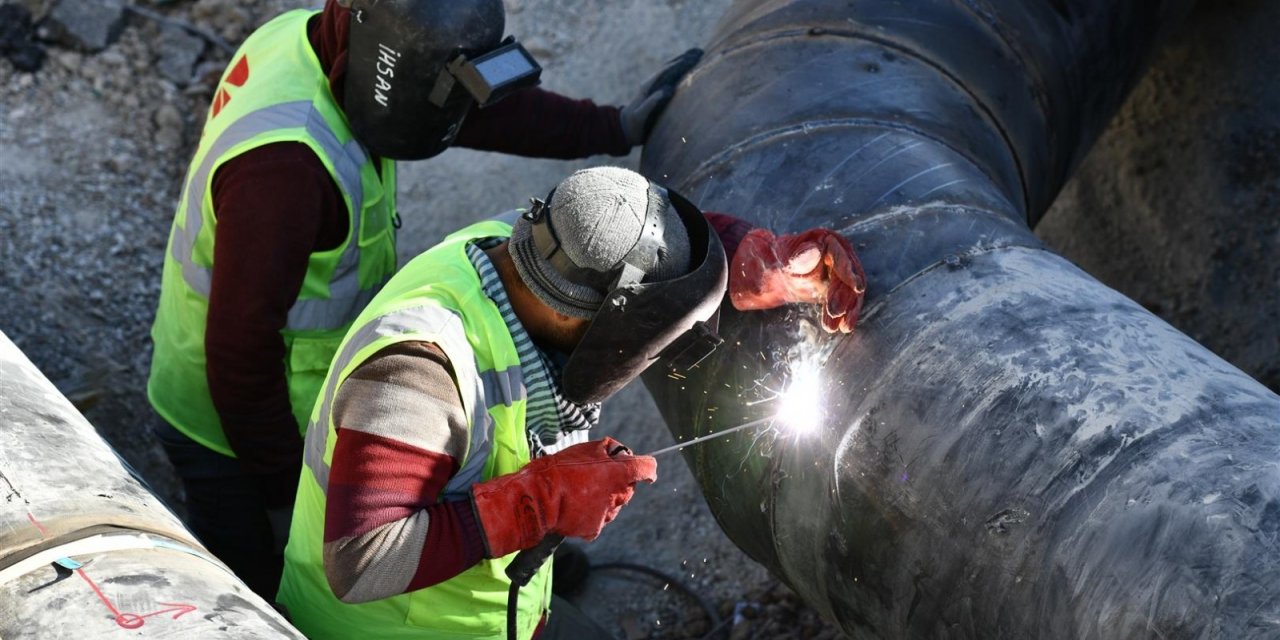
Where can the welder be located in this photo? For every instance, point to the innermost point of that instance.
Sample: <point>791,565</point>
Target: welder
<point>452,431</point>
<point>286,226</point>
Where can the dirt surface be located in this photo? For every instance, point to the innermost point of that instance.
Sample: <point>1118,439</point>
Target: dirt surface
<point>1175,207</point>
<point>1178,204</point>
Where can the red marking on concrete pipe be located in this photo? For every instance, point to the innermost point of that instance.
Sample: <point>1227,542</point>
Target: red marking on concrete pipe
<point>43,532</point>
<point>133,620</point>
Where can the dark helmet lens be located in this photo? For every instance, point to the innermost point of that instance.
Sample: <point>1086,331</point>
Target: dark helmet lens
<point>497,74</point>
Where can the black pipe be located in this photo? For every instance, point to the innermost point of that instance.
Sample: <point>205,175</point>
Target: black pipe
<point>1009,448</point>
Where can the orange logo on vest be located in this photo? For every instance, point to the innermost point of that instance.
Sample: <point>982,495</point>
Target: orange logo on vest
<point>238,76</point>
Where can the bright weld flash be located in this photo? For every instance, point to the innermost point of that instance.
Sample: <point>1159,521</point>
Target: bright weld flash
<point>800,408</point>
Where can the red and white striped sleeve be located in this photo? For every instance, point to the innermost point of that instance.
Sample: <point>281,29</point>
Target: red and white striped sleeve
<point>401,434</point>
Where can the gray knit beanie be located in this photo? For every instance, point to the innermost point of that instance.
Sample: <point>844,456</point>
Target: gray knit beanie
<point>597,218</point>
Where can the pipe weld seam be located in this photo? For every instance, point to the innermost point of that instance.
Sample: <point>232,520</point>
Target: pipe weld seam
<point>870,310</point>
<point>859,225</point>
<point>714,162</point>
<point>1037,84</point>
<point>1000,28</point>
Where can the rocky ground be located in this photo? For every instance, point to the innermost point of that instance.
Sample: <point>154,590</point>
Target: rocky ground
<point>1175,207</point>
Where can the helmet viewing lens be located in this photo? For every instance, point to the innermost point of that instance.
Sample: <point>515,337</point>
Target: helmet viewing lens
<point>489,77</point>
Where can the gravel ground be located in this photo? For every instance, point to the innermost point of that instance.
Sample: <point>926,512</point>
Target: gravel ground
<point>1175,207</point>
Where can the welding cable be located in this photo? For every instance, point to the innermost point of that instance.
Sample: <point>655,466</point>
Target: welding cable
<point>513,608</point>
<point>716,623</point>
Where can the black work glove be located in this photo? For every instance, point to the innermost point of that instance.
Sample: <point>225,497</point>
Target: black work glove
<point>639,116</point>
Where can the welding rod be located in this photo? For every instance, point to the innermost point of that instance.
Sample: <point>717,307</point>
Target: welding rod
<point>712,436</point>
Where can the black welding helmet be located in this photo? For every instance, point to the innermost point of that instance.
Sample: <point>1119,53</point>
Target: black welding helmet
<point>416,67</point>
<point>646,268</point>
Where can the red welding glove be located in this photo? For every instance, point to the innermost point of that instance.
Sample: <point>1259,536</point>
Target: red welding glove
<point>573,493</point>
<point>817,266</point>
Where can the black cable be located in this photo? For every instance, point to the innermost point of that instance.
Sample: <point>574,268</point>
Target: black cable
<point>209,36</point>
<point>513,596</point>
<point>526,562</point>
<point>716,629</point>
<point>521,570</point>
<point>716,623</point>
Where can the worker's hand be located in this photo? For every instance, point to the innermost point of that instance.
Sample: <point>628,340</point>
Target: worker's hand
<point>573,493</point>
<point>816,266</point>
<point>639,116</point>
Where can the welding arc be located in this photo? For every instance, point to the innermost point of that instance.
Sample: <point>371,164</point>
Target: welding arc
<point>712,436</point>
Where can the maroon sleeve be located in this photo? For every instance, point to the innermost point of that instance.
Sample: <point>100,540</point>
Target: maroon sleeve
<point>730,229</point>
<point>274,205</point>
<point>455,537</point>
<point>540,124</point>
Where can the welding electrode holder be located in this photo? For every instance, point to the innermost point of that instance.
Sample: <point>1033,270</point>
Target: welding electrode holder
<point>527,562</point>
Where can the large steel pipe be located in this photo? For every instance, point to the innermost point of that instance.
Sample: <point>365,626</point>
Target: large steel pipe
<point>1008,448</point>
<point>86,551</point>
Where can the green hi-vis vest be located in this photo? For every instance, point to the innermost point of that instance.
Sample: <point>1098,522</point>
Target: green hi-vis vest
<point>437,298</point>
<point>274,91</point>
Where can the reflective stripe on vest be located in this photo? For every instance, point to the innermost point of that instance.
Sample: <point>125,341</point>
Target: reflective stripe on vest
<point>504,387</point>
<point>346,298</point>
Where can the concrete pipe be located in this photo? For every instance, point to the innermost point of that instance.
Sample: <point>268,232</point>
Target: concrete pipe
<point>86,551</point>
<point>1005,448</point>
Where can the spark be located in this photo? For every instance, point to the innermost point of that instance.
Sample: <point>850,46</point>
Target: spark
<point>798,408</point>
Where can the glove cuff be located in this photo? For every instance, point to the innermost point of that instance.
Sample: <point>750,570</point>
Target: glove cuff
<point>509,516</point>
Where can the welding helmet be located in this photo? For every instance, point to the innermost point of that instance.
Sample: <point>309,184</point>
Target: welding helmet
<point>647,270</point>
<point>416,67</point>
